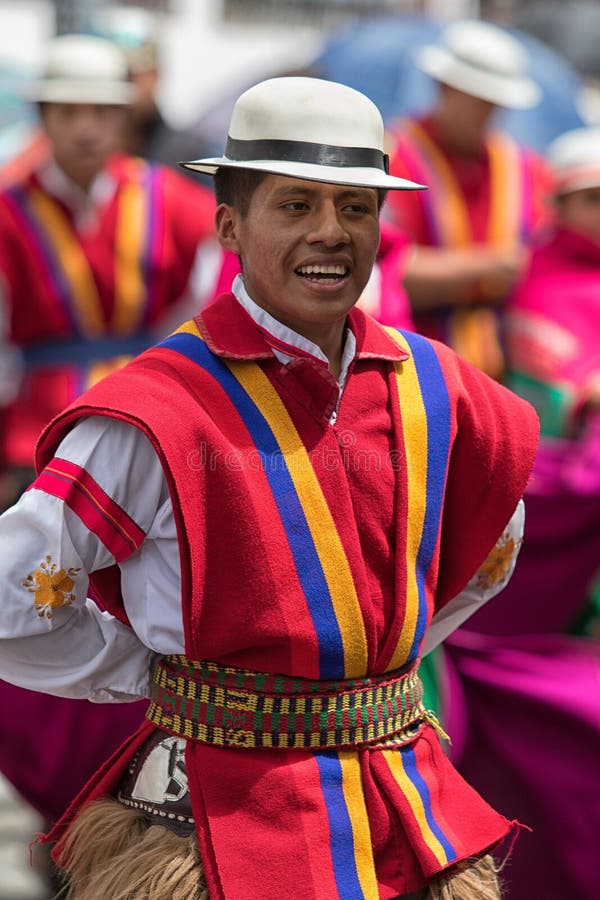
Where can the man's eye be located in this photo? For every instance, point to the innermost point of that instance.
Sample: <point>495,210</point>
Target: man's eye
<point>296,205</point>
<point>356,208</point>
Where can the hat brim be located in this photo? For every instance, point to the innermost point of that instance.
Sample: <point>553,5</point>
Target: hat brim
<point>508,91</point>
<point>96,93</point>
<point>357,177</point>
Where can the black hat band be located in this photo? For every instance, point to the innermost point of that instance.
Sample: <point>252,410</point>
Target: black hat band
<point>307,152</point>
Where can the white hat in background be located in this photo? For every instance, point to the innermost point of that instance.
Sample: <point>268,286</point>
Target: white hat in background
<point>82,68</point>
<point>307,128</point>
<point>575,159</point>
<point>482,60</point>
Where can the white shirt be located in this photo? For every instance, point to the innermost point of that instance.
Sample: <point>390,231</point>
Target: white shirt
<point>84,653</point>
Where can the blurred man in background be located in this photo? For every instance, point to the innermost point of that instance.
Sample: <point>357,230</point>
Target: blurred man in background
<point>484,270</point>
<point>96,247</point>
<point>98,255</point>
<point>148,134</point>
<point>552,341</point>
<point>486,193</point>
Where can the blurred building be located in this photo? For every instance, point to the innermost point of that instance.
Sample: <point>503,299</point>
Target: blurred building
<point>571,28</point>
<point>329,12</point>
<point>74,15</point>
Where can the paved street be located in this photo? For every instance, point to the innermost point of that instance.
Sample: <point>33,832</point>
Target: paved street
<point>18,881</point>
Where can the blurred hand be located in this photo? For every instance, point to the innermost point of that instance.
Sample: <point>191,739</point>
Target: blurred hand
<point>500,269</point>
<point>455,276</point>
<point>593,397</point>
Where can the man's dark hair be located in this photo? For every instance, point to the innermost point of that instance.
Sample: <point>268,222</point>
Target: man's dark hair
<point>236,187</point>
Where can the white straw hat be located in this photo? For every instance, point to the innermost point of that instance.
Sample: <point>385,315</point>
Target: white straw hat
<point>575,160</point>
<point>482,60</point>
<point>82,68</point>
<point>310,129</point>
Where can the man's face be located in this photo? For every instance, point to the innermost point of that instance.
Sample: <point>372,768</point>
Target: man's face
<point>468,116</point>
<point>307,249</point>
<point>83,136</point>
<point>580,212</point>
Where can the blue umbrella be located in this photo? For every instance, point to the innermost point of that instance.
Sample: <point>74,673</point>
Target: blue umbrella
<point>376,56</point>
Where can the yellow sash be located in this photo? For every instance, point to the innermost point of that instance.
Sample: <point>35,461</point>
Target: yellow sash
<point>130,242</point>
<point>473,331</point>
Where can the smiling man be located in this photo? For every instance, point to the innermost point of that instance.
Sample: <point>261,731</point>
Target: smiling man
<point>279,505</point>
<point>307,250</point>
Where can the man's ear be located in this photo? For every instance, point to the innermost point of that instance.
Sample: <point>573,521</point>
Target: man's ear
<point>226,222</point>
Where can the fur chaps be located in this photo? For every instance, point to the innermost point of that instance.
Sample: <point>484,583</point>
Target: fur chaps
<point>477,882</point>
<point>111,851</point>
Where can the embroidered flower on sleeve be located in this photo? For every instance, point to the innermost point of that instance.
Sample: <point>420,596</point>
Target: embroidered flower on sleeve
<point>496,567</point>
<point>52,587</point>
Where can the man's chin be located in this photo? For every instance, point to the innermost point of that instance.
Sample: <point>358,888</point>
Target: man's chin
<point>90,160</point>
<point>86,169</point>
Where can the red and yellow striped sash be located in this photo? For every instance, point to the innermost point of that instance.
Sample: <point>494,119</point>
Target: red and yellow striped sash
<point>69,267</point>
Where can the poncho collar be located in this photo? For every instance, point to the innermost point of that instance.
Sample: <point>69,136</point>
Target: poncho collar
<point>231,333</point>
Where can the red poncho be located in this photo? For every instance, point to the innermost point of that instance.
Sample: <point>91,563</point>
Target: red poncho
<point>320,551</point>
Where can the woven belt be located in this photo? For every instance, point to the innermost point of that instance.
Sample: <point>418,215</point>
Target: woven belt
<point>229,707</point>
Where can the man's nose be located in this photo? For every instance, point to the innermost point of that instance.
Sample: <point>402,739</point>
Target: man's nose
<point>87,121</point>
<point>328,228</point>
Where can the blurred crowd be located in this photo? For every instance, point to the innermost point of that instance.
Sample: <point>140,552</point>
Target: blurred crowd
<point>106,246</point>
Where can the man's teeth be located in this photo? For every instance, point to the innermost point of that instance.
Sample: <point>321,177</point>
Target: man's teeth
<point>322,270</point>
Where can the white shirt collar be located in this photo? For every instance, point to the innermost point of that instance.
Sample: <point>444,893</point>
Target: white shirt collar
<point>83,204</point>
<point>280,331</point>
